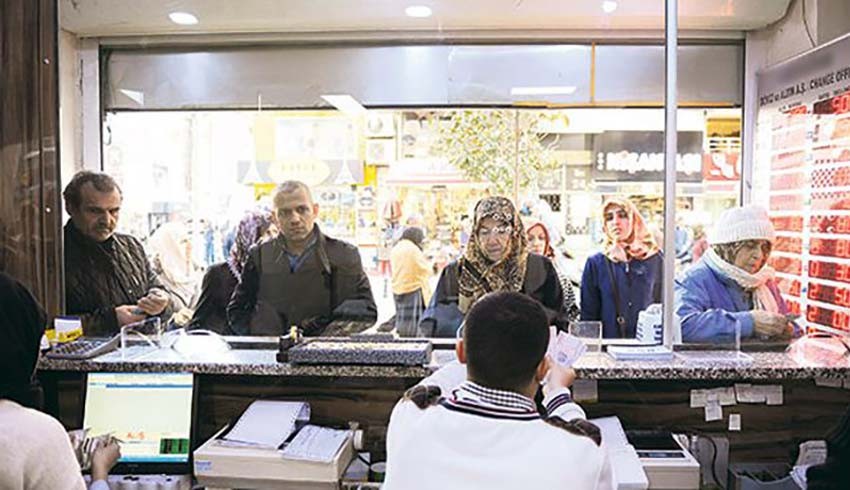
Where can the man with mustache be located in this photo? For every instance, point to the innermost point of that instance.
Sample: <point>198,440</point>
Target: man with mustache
<point>300,277</point>
<point>109,282</point>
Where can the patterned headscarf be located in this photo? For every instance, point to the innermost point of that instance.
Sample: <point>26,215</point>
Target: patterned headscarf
<point>548,251</point>
<point>639,245</point>
<point>250,230</point>
<point>478,274</point>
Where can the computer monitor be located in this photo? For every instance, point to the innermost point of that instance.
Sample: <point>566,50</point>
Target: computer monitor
<point>150,413</point>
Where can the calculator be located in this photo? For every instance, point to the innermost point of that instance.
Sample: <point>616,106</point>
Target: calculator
<point>84,348</point>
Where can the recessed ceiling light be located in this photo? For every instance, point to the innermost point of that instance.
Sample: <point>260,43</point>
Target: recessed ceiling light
<point>609,6</point>
<point>183,18</point>
<point>418,11</point>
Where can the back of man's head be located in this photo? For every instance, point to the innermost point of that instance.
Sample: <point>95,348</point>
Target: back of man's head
<point>505,337</point>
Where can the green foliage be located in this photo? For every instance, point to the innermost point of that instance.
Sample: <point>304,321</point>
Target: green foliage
<point>483,145</point>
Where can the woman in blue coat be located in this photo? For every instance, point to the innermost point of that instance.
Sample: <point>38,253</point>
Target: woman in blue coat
<point>732,288</point>
<point>625,278</point>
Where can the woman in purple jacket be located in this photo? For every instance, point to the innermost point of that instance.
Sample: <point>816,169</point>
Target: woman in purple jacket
<point>732,287</point>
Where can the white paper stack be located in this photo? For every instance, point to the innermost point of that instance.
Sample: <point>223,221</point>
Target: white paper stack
<point>640,353</point>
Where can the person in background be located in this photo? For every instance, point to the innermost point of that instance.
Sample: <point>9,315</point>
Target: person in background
<point>108,280</point>
<point>171,258</point>
<point>700,243</point>
<point>410,274</point>
<point>496,259</point>
<point>625,278</point>
<point>307,277</point>
<point>539,243</point>
<point>486,432</point>
<point>732,287</point>
<point>35,450</point>
<point>221,279</point>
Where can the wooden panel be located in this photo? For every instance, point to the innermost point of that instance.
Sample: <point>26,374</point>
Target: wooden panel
<point>29,180</point>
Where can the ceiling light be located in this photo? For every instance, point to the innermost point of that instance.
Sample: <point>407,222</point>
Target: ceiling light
<point>183,18</point>
<point>418,11</point>
<point>609,6</point>
<point>346,104</point>
<point>558,90</point>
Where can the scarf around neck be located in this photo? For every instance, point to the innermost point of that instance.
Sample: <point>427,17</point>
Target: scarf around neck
<point>763,298</point>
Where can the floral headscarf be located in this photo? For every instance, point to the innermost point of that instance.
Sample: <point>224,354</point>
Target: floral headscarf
<point>478,274</point>
<point>250,230</point>
<point>639,245</point>
<point>548,251</point>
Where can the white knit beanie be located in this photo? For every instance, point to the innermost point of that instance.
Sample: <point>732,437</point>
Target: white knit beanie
<point>743,223</point>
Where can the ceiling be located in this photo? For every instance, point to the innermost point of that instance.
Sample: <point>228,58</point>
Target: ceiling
<point>111,18</point>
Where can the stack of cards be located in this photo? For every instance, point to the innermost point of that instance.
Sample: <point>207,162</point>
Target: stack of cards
<point>565,349</point>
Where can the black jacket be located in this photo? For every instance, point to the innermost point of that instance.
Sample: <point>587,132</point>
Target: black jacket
<point>329,285</point>
<point>101,276</point>
<point>443,317</point>
<point>216,290</point>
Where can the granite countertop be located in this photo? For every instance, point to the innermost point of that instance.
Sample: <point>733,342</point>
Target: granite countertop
<point>262,362</point>
<point>256,362</point>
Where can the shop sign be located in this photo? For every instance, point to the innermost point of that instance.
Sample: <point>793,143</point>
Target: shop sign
<point>639,156</point>
<point>721,166</point>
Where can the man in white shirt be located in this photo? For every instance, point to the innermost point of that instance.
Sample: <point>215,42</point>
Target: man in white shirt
<point>486,433</point>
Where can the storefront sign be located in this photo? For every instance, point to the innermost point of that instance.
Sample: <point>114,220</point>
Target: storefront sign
<point>639,156</point>
<point>721,166</point>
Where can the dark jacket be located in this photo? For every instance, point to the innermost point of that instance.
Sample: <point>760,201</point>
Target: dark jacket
<point>443,317</point>
<point>638,286</point>
<point>216,290</point>
<point>101,276</point>
<point>23,322</point>
<point>329,285</point>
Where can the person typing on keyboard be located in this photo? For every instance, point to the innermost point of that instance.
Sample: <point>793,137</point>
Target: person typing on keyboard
<point>35,450</point>
<point>109,282</point>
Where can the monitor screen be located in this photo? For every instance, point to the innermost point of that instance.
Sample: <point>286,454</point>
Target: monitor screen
<point>150,413</point>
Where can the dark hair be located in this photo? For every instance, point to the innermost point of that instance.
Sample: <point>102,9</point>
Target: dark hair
<point>73,191</point>
<point>291,186</point>
<point>414,234</point>
<point>505,336</point>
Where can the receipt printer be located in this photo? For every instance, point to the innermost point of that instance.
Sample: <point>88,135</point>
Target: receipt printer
<point>219,465</point>
<point>667,463</point>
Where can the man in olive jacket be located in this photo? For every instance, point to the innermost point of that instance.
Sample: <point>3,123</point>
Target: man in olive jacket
<point>300,277</point>
<point>109,282</point>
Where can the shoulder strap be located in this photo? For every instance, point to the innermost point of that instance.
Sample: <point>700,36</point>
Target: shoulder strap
<point>621,320</point>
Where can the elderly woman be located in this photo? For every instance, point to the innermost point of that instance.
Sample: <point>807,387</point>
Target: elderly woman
<point>731,287</point>
<point>221,279</point>
<point>625,278</point>
<point>496,259</point>
<point>539,243</point>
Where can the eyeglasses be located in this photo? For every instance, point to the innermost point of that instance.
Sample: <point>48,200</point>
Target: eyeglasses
<point>498,232</point>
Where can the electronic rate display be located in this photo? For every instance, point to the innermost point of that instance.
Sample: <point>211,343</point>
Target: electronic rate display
<point>801,174</point>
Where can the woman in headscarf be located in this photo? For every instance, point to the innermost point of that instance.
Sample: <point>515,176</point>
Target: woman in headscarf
<point>172,260</point>
<point>496,259</point>
<point>625,278</point>
<point>732,287</point>
<point>539,243</point>
<point>35,450</point>
<point>221,279</point>
<point>410,274</point>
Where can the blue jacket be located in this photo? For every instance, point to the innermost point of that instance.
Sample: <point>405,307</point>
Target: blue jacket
<point>710,306</point>
<point>638,286</point>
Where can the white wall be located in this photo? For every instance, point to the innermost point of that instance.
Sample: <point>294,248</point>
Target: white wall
<point>70,105</point>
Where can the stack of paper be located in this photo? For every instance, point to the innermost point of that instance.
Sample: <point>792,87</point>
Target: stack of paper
<point>267,423</point>
<point>640,353</point>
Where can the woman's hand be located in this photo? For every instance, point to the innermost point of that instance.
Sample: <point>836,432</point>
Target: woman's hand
<point>767,324</point>
<point>103,459</point>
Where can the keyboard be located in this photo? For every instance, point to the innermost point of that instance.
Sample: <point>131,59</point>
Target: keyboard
<point>84,348</point>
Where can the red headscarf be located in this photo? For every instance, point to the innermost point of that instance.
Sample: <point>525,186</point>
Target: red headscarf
<point>639,245</point>
<point>548,251</point>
